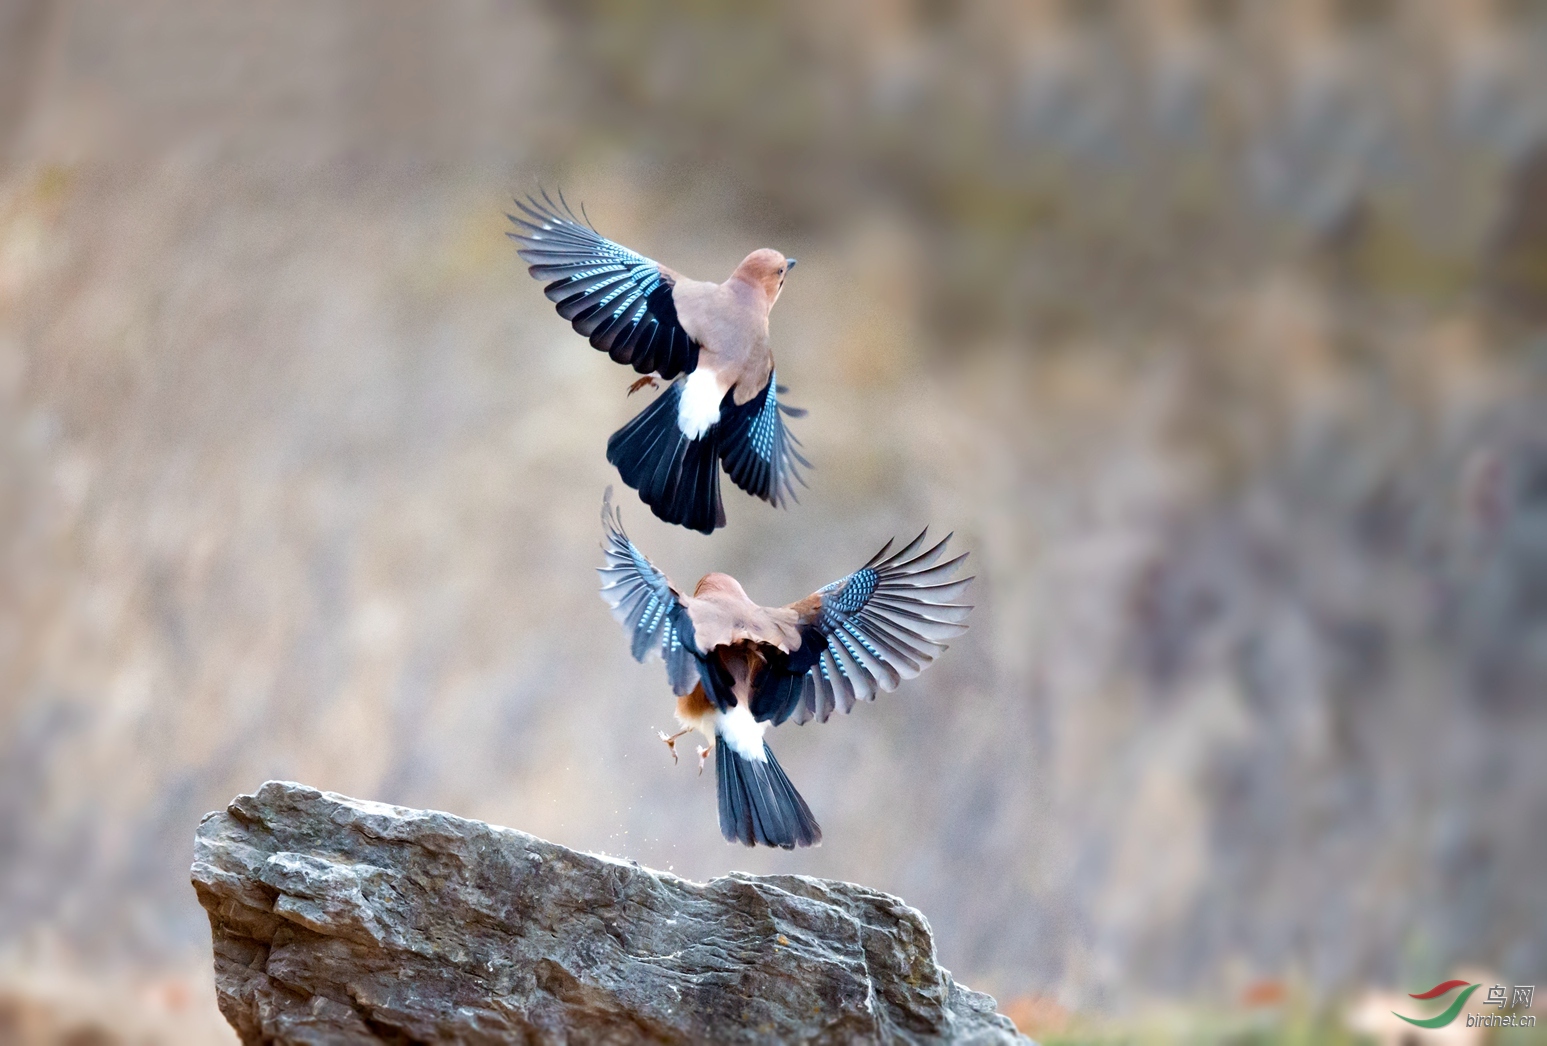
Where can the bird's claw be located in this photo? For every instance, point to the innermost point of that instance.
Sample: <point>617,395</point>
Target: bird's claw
<point>648,379</point>
<point>671,742</point>
<point>703,757</point>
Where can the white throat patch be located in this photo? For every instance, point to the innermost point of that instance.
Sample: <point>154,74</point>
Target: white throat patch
<point>744,734</point>
<point>699,407</point>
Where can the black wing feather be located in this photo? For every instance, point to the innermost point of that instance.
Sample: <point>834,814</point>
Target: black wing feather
<point>778,689</point>
<point>620,300</point>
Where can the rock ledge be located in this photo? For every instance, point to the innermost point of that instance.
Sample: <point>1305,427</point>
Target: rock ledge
<point>336,920</point>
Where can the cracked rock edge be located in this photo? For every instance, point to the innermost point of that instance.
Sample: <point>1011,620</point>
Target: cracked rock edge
<point>340,920</point>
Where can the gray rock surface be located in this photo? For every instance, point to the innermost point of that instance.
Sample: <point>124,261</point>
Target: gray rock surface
<point>337,920</point>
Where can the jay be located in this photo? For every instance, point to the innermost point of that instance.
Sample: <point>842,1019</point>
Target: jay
<point>709,340</point>
<point>738,668</point>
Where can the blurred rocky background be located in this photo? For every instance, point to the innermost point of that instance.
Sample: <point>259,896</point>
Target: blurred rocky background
<point>1216,330</point>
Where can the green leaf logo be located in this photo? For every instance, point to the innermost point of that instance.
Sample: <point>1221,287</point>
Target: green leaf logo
<point>1451,1011</point>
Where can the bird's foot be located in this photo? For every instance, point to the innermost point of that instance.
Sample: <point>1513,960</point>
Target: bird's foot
<point>703,757</point>
<point>648,379</point>
<point>671,742</point>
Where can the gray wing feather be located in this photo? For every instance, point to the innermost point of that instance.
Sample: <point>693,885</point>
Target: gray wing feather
<point>646,605</point>
<point>884,623</point>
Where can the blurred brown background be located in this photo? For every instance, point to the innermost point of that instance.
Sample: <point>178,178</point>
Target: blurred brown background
<point>1216,330</point>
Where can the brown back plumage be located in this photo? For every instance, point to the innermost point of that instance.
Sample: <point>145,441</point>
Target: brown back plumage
<point>723,614</point>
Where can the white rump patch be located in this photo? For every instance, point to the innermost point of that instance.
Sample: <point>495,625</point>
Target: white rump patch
<point>699,407</point>
<point>744,734</point>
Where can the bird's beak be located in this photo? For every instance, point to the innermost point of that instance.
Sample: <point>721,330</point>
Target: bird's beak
<point>789,263</point>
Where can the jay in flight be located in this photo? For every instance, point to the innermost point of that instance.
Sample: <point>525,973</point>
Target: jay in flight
<point>738,668</point>
<point>709,340</point>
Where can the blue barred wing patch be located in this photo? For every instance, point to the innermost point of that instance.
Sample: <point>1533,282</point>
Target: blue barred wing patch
<point>849,595</point>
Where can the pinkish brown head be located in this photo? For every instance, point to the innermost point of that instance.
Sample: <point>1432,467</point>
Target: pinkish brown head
<point>765,269</point>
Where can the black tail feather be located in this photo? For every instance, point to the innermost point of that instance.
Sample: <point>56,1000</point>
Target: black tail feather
<point>758,805</point>
<point>679,478</point>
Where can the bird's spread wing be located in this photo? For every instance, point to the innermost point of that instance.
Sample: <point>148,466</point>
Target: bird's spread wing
<point>620,300</point>
<point>758,451</point>
<point>866,633</point>
<point>646,605</point>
